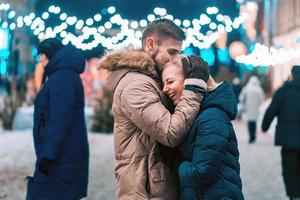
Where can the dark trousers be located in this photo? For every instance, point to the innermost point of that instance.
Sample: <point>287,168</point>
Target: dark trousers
<point>291,171</point>
<point>252,130</point>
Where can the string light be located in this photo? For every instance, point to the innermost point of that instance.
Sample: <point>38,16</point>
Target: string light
<point>268,56</point>
<point>130,31</point>
<point>4,6</point>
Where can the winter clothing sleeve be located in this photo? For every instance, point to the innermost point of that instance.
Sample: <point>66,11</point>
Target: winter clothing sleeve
<point>272,110</point>
<point>62,100</point>
<point>150,115</point>
<point>209,144</point>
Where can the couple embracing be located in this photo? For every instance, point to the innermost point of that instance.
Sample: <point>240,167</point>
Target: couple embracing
<point>173,138</point>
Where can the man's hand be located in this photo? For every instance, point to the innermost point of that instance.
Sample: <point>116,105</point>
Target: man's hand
<point>45,165</point>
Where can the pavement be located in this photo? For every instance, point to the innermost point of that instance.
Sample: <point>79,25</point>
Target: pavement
<point>260,165</point>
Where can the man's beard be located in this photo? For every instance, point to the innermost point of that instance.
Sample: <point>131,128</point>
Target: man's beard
<point>158,66</point>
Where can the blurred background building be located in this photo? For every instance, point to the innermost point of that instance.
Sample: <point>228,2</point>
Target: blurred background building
<point>238,38</point>
<point>283,32</point>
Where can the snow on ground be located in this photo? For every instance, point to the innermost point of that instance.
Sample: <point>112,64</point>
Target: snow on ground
<point>260,166</point>
<point>17,162</point>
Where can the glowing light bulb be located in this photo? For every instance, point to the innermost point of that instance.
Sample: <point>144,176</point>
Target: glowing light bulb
<point>97,17</point>
<point>111,10</point>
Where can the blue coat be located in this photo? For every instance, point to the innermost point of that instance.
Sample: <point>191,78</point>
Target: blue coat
<point>211,169</point>
<point>59,130</point>
<point>285,106</point>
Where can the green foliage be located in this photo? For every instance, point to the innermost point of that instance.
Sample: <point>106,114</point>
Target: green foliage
<point>103,119</point>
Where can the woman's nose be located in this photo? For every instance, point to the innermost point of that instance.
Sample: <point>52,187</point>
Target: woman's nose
<point>165,89</point>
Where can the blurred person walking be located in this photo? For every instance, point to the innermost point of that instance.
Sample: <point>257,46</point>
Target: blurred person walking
<point>237,88</point>
<point>285,106</point>
<point>143,124</point>
<point>59,132</point>
<point>251,97</point>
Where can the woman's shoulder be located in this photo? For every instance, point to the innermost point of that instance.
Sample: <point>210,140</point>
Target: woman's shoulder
<point>211,113</point>
<point>212,118</point>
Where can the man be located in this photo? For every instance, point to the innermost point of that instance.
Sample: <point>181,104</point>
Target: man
<point>285,106</point>
<point>59,133</point>
<point>141,119</point>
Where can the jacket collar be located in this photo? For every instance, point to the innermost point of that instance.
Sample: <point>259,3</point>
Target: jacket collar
<point>119,63</point>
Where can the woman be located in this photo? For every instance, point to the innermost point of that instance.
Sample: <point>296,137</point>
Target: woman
<point>252,97</point>
<point>60,136</point>
<point>210,169</point>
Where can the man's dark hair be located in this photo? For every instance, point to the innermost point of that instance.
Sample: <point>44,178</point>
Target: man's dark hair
<point>49,47</point>
<point>162,28</point>
<point>296,71</point>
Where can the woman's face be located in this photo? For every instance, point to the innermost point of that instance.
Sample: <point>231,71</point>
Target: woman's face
<point>43,59</point>
<point>173,80</point>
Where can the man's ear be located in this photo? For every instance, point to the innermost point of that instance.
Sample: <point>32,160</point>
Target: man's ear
<point>150,44</point>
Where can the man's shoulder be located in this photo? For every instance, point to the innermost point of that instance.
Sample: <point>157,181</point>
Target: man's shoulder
<point>138,87</point>
<point>139,75</point>
<point>135,79</point>
<point>212,114</point>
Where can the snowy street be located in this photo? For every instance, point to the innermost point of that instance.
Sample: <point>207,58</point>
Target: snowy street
<point>260,166</point>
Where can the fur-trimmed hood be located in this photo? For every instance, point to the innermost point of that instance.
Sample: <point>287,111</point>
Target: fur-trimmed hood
<point>133,59</point>
<point>119,63</point>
